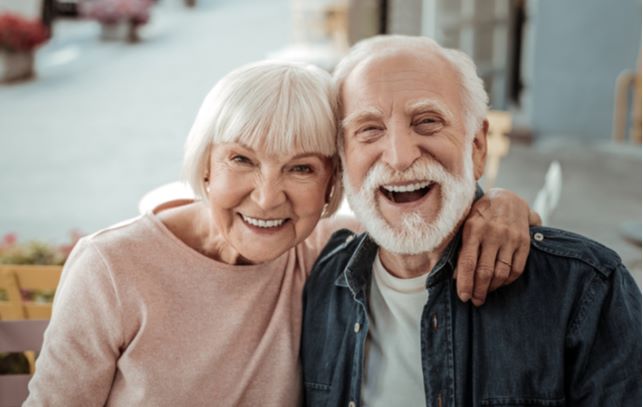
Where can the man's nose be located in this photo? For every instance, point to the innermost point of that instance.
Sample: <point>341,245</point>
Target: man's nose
<point>269,192</point>
<point>402,150</point>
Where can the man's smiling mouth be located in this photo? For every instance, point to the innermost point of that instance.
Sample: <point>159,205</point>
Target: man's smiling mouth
<point>408,192</point>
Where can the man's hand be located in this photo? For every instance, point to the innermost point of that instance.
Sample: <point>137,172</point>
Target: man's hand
<point>495,244</point>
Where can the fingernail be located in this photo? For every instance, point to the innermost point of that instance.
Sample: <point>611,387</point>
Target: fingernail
<point>477,302</point>
<point>465,296</point>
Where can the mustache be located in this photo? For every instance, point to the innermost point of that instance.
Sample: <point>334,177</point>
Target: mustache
<point>421,170</point>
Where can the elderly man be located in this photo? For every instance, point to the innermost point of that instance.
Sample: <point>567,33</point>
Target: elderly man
<point>382,323</point>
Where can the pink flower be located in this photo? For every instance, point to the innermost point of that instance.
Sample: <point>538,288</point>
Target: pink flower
<point>113,11</point>
<point>19,34</point>
<point>9,240</point>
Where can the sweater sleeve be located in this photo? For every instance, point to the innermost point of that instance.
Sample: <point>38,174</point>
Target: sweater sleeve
<point>84,338</point>
<point>604,343</point>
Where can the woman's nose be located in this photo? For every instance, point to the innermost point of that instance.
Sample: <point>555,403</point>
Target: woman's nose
<point>269,192</point>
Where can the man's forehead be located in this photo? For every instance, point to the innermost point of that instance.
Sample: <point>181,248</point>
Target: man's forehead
<point>424,82</point>
<point>400,61</point>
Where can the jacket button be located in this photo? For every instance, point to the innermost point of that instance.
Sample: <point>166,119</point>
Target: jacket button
<point>351,404</point>
<point>538,237</point>
<point>357,327</point>
<point>434,322</point>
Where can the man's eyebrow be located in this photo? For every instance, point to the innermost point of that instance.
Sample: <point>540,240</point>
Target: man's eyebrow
<point>361,115</point>
<point>424,105</point>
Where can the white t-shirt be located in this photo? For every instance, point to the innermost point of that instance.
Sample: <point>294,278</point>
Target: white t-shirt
<point>393,374</point>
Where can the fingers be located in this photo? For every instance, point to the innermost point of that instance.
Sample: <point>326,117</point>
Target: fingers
<point>495,245</point>
<point>465,269</point>
<point>503,267</point>
<point>484,273</point>
<point>519,260</point>
<point>534,218</point>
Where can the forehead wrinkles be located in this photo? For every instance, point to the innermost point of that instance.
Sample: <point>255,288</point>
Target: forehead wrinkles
<point>400,74</point>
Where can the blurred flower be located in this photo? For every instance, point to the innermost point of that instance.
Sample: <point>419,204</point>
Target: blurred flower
<point>18,34</point>
<point>8,240</point>
<point>35,252</point>
<point>114,11</point>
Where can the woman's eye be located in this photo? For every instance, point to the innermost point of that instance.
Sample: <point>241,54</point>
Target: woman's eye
<point>302,169</point>
<point>240,159</point>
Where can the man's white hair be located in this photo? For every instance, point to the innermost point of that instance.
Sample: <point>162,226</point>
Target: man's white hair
<point>474,97</point>
<point>277,107</point>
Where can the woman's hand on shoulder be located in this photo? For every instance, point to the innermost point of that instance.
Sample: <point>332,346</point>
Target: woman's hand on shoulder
<point>495,244</point>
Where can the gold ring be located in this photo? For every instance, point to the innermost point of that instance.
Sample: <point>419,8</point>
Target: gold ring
<point>504,262</point>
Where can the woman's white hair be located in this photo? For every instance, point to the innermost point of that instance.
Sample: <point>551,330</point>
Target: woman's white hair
<point>278,107</point>
<point>475,99</point>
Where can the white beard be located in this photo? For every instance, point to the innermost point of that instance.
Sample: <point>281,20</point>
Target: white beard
<point>415,234</point>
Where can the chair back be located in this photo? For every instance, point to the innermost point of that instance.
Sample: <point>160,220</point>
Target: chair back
<point>15,280</point>
<point>18,336</point>
<point>549,195</point>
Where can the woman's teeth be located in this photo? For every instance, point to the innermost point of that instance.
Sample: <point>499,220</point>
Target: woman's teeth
<point>272,223</point>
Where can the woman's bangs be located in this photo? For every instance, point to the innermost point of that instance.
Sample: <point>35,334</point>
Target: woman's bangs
<point>283,124</point>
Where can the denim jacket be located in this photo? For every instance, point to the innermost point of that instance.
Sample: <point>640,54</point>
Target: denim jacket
<point>566,333</point>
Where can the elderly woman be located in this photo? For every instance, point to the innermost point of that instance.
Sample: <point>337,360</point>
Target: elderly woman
<point>201,304</point>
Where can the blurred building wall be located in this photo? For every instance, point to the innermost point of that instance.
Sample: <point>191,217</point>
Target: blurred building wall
<point>555,70</point>
<point>579,48</point>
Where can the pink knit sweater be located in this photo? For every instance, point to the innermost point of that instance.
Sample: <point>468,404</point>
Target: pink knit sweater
<point>141,319</point>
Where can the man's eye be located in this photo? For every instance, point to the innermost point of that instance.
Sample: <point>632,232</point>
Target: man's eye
<point>369,133</point>
<point>367,129</point>
<point>428,125</point>
<point>302,169</point>
<point>427,120</point>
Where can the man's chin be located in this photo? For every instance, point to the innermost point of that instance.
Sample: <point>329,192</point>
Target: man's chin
<point>407,234</point>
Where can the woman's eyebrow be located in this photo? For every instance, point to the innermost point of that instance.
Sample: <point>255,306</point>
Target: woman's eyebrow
<point>370,113</point>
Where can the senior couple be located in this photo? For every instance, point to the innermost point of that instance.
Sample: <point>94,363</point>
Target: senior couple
<point>201,304</point>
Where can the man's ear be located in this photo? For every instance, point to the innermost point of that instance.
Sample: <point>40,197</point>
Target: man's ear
<point>479,150</point>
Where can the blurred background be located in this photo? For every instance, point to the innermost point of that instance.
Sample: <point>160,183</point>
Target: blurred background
<point>97,97</point>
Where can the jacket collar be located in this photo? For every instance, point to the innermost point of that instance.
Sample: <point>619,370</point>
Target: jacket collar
<point>357,273</point>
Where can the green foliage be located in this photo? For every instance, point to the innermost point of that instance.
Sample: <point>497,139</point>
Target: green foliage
<point>32,253</point>
<point>35,252</point>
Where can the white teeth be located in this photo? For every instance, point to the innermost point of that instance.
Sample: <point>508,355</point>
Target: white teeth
<point>272,223</point>
<point>406,188</point>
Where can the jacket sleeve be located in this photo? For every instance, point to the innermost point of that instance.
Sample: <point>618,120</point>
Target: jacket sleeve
<point>82,342</point>
<point>604,343</point>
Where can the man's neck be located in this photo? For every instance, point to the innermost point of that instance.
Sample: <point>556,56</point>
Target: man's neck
<point>412,265</point>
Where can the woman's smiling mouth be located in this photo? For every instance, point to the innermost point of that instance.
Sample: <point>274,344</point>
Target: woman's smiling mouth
<point>263,223</point>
